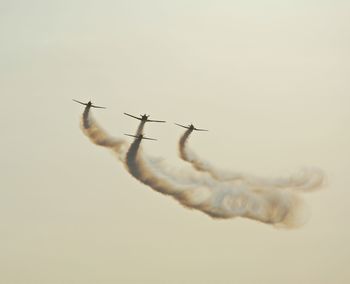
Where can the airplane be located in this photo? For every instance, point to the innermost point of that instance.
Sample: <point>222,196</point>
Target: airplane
<point>89,104</point>
<point>140,136</point>
<point>191,127</point>
<point>144,118</point>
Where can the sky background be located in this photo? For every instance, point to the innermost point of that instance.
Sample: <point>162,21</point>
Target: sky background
<point>270,79</point>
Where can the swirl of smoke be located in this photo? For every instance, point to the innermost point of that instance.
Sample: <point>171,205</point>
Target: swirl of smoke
<point>218,200</point>
<point>197,191</point>
<point>305,180</point>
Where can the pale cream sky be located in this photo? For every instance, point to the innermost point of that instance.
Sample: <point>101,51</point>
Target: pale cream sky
<point>271,82</point>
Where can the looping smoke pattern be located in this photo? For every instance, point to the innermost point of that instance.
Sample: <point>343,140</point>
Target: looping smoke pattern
<point>208,189</point>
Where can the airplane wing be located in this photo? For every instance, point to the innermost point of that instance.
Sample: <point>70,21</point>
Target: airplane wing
<point>198,129</point>
<point>131,135</point>
<point>97,106</point>
<point>138,137</point>
<point>79,102</point>
<point>132,116</point>
<point>182,126</point>
<point>152,120</point>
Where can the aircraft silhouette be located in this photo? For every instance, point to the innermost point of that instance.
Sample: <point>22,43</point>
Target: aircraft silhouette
<point>191,127</point>
<point>144,118</point>
<point>140,136</point>
<point>88,104</point>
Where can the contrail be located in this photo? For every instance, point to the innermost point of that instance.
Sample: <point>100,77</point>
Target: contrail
<point>99,137</point>
<point>305,180</point>
<point>218,200</point>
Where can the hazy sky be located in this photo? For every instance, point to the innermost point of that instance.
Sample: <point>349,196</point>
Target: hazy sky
<point>270,79</point>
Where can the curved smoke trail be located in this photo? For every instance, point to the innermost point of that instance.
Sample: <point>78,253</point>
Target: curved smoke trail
<point>99,137</point>
<point>217,200</point>
<point>306,180</point>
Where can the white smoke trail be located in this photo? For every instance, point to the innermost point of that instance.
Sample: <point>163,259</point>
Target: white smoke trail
<point>304,180</point>
<point>218,200</point>
<point>197,191</point>
<point>99,137</point>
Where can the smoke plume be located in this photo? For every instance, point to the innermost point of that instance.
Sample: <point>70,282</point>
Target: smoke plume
<point>304,180</point>
<point>218,200</point>
<point>99,137</point>
<point>195,190</point>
